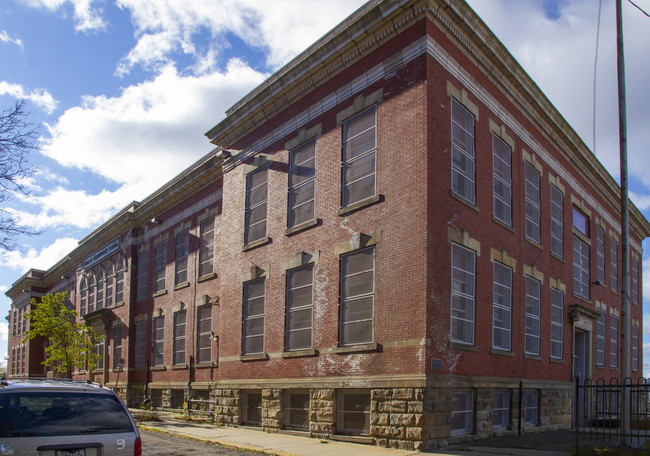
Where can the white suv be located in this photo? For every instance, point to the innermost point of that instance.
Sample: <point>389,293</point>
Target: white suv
<point>51,417</point>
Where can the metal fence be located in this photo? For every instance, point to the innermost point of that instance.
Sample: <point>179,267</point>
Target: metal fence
<point>201,408</point>
<point>598,413</point>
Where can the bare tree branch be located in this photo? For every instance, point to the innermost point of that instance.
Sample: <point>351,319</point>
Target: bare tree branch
<point>18,139</point>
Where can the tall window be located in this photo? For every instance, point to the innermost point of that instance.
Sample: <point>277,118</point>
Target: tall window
<point>141,277</point>
<point>204,334</point>
<point>302,176</point>
<point>600,254</point>
<point>533,289</point>
<point>182,251</point>
<point>531,407</point>
<point>613,341</point>
<point>296,410</point>
<point>161,263</point>
<point>600,340</point>
<point>462,152</point>
<point>179,337</point>
<point>501,157</point>
<point>502,307</point>
<point>117,346</point>
<point>500,409</point>
<point>356,313</point>
<point>463,266</point>
<point>557,323</point>
<point>532,204</point>
<point>613,263</point>
<point>256,199</point>
<point>251,407</point>
<point>359,157</point>
<point>299,308</point>
<point>99,351</point>
<point>119,280</point>
<point>83,300</point>
<point>110,273</point>
<point>100,289</point>
<point>462,412</point>
<point>634,280</point>
<point>580,267</point>
<point>158,341</point>
<point>140,340</point>
<point>206,251</point>
<point>635,348</point>
<point>557,221</point>
<point>91,293</point>
<point>253,317</point>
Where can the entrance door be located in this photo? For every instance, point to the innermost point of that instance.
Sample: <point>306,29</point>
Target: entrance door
<point>580,371</point>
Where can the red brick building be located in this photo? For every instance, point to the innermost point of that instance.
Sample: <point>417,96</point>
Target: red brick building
<point>398,240</point>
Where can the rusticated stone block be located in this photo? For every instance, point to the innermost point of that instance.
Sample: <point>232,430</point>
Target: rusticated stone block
<point>403,393</point>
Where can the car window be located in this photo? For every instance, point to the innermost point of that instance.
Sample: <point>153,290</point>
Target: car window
<point>28,414</point>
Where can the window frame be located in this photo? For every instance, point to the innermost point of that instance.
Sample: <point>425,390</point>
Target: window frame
<point>346,301</point>
<point>466,297</point>
<point>635,348</point>
<point>206,248</point>
<point>613,263</point>
<point>600,339</point>
<point>531,403</point>
<point>246,408</point>
<point>181,256</point>
<point>581,273</point>
<point>501,409</point>
<point>533,316</point>
<point>294,188</point>
<point>204,334</point>
<point>251,207</point>
<point>459,175</point>
<point>158,341</point>
<point>348,162</point>
<point>600,254</point>
<point>160,266</point>
<point>506,330</point>
<point>342,413</point>
<point>291,310</point>
<point>142,275</point>
<point>117,345</point>
<point>613,341</point>
<point>634,281</point>
<point>464,410</point>
<point>289,410</point>
<point>557,323</point>
<point>502,176</point>
<point>557,221</point>
<point>179,338</point>
<point>139,352</point>
<point>247,317</point>
<point>533,203</point>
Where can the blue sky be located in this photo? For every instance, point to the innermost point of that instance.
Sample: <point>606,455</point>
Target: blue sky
<point>112,81</point>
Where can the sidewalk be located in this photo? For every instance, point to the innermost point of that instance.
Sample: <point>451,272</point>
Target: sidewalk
<point>291,445</point>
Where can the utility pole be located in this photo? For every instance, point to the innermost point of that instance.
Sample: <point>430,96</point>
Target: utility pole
<point>625,227</point>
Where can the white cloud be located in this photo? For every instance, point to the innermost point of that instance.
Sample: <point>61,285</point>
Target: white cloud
<point>5,38</point>
<point>85,16</point>
<point>280,28</point>
<point>43,259</point>
<point>40,97</point>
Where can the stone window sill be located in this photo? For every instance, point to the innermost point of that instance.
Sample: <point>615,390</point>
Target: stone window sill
<point>460,199</point>
<point>534,357</point>
<point>303,226</point>
<point>351,438</point>
<point>254,357</point>
<point>374,346</point>
<point>499,351</point>
<point>255,244</point>
<point>179,366</point>
<point>158,368</point>
<point>503,224</point>
<point>180,286</point>
<point>206,277</point>
<point>160,293</point>
<point>461,346</point>
<point>300,353</point>
<point>205,365</point>
<point>360,204</point>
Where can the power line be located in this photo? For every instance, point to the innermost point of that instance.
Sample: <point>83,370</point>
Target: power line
<point>639,8</point>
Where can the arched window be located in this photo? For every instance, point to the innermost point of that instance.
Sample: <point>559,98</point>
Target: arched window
<point>110,272</point>
<point>100,289</point>
<point>119,280</point>
<point>91,292</point>
<point>83,296</point>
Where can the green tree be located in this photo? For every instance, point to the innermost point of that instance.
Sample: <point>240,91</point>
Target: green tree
<point>70,344</point>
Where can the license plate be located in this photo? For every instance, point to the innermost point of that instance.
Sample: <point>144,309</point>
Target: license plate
<point>78,452</point>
